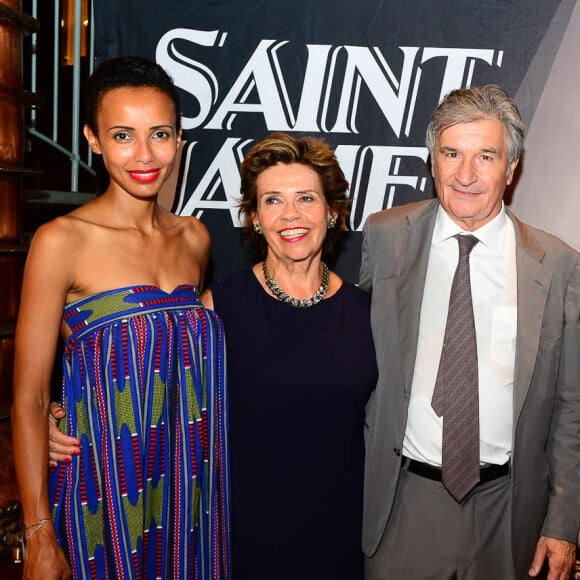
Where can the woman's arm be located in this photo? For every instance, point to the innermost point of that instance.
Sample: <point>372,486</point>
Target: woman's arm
<point>45,284</point>
<point>207,299</point>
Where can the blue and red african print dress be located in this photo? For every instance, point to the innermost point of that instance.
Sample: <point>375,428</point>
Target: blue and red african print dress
<point>144,391</point>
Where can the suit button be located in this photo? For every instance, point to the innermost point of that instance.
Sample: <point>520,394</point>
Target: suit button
<point>397,452</point>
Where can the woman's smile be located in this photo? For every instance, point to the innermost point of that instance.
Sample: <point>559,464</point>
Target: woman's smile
<point>294,234</point>
<point>145,175</point>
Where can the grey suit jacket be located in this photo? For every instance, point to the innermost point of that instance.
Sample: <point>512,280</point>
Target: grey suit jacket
<point>545,490</point>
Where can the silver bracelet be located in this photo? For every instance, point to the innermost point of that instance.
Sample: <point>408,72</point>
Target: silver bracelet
<point>37,526</point>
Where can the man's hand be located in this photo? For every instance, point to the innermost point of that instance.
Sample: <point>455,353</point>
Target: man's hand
<point>61,447</point>
<point>561,556</point>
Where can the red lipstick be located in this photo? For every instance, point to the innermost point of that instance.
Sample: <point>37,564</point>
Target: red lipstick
<point>145,176</point>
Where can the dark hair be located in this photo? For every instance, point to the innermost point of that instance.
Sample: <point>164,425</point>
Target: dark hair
<point>474,104</point>
<point>283,148</point>
<point>127,71</point>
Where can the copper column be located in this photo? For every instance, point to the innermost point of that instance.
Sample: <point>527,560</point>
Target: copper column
<point>13,100</point>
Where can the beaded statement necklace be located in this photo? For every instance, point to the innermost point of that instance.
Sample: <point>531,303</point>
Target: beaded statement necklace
<point>298,302</point>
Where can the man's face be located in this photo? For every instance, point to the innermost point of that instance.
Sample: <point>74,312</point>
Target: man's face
<point>471,171</point>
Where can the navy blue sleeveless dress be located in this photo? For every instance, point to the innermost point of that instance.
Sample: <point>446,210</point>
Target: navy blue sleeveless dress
<point>299,380</point>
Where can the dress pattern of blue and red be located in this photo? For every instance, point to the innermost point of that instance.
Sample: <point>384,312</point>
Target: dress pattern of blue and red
<point>144,391</point>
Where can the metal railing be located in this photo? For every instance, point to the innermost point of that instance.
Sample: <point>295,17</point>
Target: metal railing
<point>74,154</point>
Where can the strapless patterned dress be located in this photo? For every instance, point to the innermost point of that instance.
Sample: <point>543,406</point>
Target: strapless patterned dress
<point>144,391</point>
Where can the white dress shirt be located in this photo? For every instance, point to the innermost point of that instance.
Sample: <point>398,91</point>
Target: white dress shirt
<point>494,293</point>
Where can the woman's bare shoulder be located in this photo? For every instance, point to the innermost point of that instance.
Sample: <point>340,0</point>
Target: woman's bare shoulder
<point>53,257</point>
<point>195,232</point>
<point>59,232</point>
<point>188,223</point>
<point>198,228</point>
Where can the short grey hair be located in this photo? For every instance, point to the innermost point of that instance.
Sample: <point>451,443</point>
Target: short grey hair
<point>475,104</point>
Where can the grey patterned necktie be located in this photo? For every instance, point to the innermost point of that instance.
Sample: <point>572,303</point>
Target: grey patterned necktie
<point>455,397</point>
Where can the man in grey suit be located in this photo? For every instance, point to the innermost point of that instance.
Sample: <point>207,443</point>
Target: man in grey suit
<point>520,515</point>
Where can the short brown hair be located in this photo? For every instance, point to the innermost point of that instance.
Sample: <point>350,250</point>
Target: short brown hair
<point>283,148</point>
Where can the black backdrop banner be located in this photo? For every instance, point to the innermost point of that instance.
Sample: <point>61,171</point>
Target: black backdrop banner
<point>363,75</point>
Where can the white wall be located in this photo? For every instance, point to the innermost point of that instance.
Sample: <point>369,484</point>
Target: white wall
<point>547,195</point>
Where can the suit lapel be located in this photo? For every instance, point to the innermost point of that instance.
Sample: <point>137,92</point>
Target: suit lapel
<point>533,285</point>
<point>412,245</point>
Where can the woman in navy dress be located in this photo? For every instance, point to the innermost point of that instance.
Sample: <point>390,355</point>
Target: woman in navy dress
<point>301,368</point>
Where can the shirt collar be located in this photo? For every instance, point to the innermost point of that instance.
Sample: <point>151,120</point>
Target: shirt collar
<point>489,235</point>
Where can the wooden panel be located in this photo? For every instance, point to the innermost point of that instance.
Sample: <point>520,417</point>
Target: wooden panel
<point>10,209</point>
<point>6,367</point>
